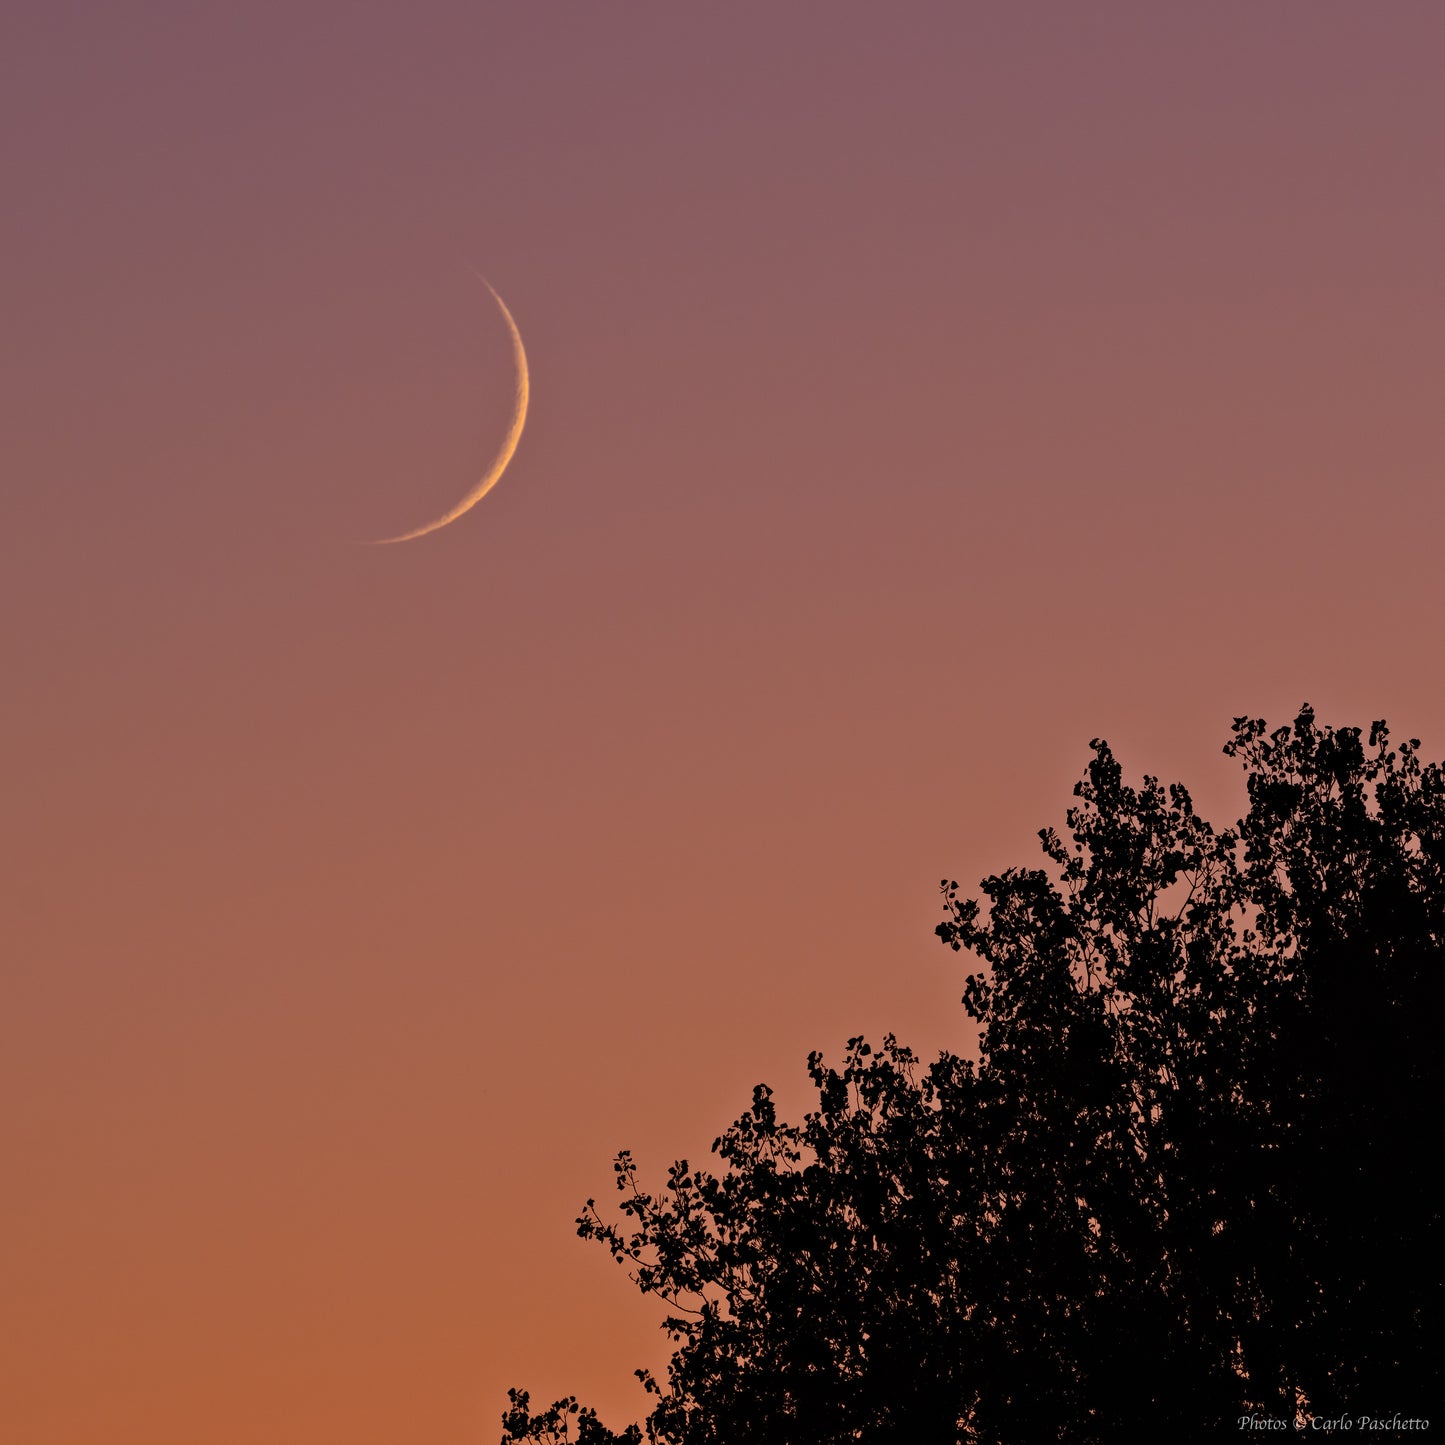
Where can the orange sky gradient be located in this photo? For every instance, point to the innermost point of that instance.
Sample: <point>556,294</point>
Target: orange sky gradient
<point>915,396</point>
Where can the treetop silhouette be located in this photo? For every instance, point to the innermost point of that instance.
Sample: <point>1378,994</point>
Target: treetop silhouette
<point>1189,1178</point>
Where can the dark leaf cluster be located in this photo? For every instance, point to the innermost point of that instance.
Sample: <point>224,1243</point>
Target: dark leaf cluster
<point>1190,1177</point>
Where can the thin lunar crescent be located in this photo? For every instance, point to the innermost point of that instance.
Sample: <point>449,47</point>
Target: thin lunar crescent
<point>493,474</point>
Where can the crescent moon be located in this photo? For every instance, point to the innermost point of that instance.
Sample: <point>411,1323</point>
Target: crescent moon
<point>493,474</point>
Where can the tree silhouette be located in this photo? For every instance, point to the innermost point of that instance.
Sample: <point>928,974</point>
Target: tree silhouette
<point>1189,1179</point>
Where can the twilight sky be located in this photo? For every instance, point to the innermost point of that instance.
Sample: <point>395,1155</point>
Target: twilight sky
<point>918,391</point>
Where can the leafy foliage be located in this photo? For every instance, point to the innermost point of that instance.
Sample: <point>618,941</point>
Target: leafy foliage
<point>1188,1179</point>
